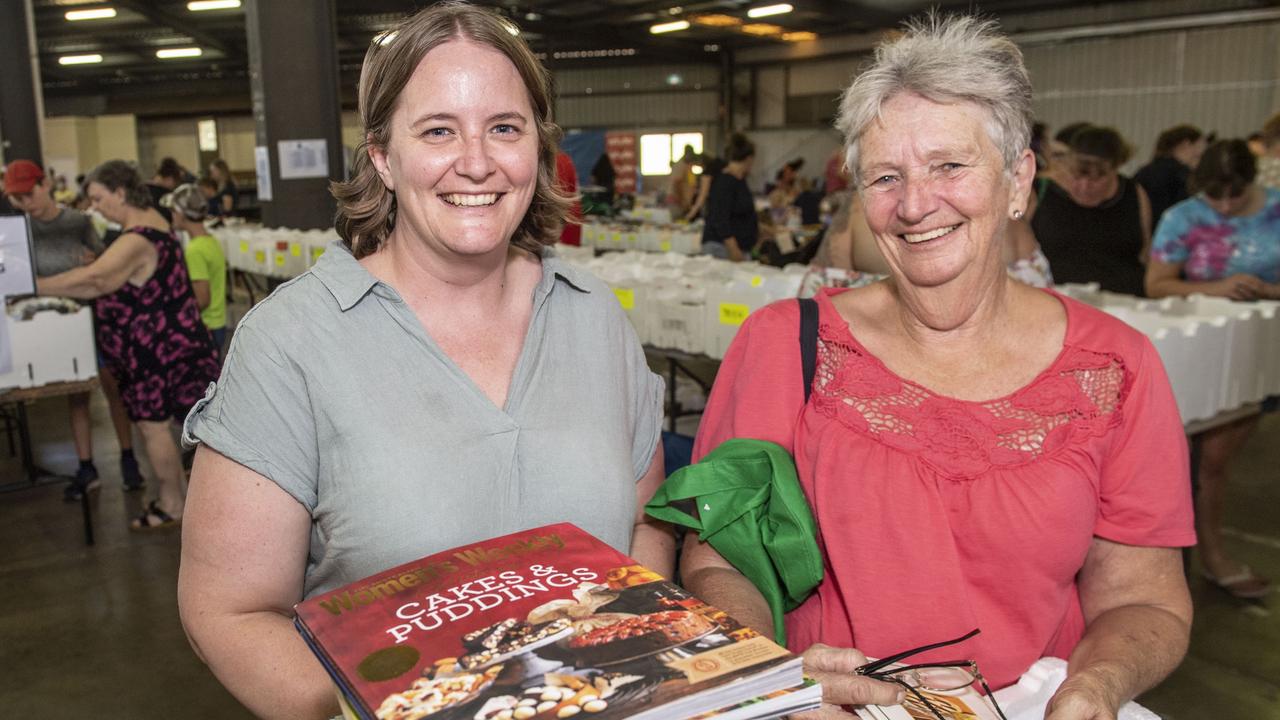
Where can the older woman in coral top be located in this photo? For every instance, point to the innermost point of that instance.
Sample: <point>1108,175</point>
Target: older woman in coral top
<point>978,453</point>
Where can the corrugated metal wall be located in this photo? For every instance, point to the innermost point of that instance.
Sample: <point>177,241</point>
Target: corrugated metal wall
<point>1224,79</point>
<point>632,97</point>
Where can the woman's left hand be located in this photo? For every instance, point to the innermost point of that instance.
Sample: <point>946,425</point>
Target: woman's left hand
<point>1081,698</point>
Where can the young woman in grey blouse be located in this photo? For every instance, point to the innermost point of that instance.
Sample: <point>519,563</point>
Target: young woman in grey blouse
<point>438,378</point>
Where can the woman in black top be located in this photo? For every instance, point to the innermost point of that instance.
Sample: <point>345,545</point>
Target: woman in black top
<point>224,203</point>
<point>1178,149</point>
<point>1098,227</point>
<point>731,228</point>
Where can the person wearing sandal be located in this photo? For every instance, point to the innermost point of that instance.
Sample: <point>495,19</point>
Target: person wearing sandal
<point>453,380</point>
<point>148,326</point>
<point>976,452</point>
<point>1225,241</point>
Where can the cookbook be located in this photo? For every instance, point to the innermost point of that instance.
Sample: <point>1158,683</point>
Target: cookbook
<point>546,623</point>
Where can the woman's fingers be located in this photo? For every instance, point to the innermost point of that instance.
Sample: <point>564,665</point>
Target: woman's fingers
<point>836,669</point>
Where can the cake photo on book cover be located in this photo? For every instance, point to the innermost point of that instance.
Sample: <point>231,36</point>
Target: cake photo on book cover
<point>545,623</point>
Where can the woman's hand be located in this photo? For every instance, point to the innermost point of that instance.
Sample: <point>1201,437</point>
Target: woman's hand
<point>841,685</point>
<point>1082,698</point>
<point>1240,286</point>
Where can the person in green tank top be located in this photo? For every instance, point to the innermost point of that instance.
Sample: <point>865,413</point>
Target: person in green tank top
<point>206,264</point>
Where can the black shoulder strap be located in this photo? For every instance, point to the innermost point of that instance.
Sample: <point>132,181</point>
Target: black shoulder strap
<point>808,342</point>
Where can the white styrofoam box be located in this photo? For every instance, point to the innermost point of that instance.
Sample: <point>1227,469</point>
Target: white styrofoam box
<point>678,317</point>
<point>1237,374</point>
<point>1269,361</point>
<point>658,215</point>
<point>729,304</point>
<point>1180,343</point>
<point>51,347</point>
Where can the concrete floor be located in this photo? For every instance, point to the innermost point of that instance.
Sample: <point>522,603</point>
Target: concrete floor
<point>93,631</point>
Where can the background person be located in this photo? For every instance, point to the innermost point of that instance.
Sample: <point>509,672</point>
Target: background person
<point>223,203</point>
<point>206,265</point>
<point>453,381</point>
<point>63,239</point>
<point>1178,149</point>
<point>1097,227</point>
<point>977,452</point>
<point>1269,159</point>
<point>732,228</point>
<point>1225,241</point>
<point>148,326</point>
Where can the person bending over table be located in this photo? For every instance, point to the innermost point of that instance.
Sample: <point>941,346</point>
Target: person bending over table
<point>437,379</point>
<point>978,453</point>
<point>1224,241</point>
<point>147,324</point>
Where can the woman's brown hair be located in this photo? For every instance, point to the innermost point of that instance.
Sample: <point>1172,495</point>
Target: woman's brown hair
<point>366,208</point>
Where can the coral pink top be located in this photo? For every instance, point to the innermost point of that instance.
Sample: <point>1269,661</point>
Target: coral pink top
<point>936,515</point>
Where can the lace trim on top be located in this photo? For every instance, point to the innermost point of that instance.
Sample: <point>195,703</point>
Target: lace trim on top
<point>1078,397</point>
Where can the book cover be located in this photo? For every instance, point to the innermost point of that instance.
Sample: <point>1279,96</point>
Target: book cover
<point>545,623</point>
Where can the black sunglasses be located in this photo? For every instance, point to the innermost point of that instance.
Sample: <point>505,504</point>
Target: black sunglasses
<point>940,677</point>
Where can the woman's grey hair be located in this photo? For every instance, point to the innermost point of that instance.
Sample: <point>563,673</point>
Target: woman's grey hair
<point>120,174</point>
<point>945,59</point>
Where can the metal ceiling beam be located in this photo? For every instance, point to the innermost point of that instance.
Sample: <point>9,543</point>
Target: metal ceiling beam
<point>182,25</point>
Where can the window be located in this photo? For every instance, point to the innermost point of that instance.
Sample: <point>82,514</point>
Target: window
<point>660,150</point>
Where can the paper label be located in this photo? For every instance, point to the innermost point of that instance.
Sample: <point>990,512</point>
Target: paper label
<point>757,281</point>
<point>244,246</point>
<point>665,246</point>
<point>316,253</point>
<point>626,297</point>
<point>260,257</point>
<point>733,313</point>
<point>279,259</point>
<point>295,249</point>
<point>723,660</point>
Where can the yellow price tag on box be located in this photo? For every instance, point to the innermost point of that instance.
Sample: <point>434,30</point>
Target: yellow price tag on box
<point>617,238</point>
<point>757,281</point>
<point>733,313</point>
<point>316,252</point>
<point>260,257</point>
<point>279,259</point>
<point>295,249</point>
<point>665,246</point>
<point>244,246</point>
<point>626,297</point>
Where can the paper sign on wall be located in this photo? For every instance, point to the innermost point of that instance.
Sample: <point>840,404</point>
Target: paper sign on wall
<point>303,158</point>
<point>262,166</point>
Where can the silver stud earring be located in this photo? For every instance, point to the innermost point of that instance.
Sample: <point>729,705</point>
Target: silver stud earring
<point>1017,214</point>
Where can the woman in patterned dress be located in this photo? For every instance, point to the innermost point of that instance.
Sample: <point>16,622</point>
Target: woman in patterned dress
<point>148,326</point>
<point>1225,241</point>
<point>977,453</point>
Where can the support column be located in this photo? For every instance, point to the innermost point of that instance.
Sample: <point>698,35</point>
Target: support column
<point>293,70</point>
<point>20,100</point>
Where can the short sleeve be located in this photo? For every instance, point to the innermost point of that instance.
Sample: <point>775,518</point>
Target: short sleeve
<point>197,263</point>
<point>90,237</point>
<point>259,415</point>
<point>1145,484</point>
<point>1169,245</point>
<point>759,390</point>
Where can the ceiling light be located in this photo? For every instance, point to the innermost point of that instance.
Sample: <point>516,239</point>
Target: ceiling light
<point>767,10</point>
<point>799,36</point>
<point>761,29</point>
<point>182,52</point>
<point>674,79</point>
<point>711,48</point>
<point>202,5</point>
<point>669,27</point>
<point>95,14</point>
<point>80,59</point>
<point>716,20</point>
<point>532,16</point>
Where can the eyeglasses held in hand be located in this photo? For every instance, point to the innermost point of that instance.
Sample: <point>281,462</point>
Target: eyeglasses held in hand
<point>938,677</point>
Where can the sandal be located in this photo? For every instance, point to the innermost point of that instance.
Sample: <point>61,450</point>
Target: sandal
<point>1243,584</point>
<point>161,519</point>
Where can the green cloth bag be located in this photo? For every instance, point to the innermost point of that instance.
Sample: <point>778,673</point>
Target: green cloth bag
<point>751,508</point>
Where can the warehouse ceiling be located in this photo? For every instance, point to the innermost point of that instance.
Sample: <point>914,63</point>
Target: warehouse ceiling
<point>129,77</point>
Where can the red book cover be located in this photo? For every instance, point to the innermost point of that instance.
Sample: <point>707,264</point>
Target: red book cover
<point>545,623</point>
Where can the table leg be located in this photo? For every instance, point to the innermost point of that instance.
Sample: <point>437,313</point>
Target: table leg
<point>24,440</point>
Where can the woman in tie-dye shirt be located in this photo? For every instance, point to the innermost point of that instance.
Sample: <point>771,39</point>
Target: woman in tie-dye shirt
<point>1224,241</point>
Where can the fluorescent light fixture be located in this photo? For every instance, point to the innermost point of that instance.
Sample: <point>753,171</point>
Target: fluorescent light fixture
<point>761,29</point>
<point>717,20</point>
<point>799,36</point>
<point>202,5</point>
<point>181,52</point>
<point>767,10</point>
<point>94,14</point>
<point>669,27</point>
<point>80,59</point>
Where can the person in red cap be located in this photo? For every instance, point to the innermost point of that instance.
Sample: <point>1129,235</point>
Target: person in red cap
<point>66,239</point>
